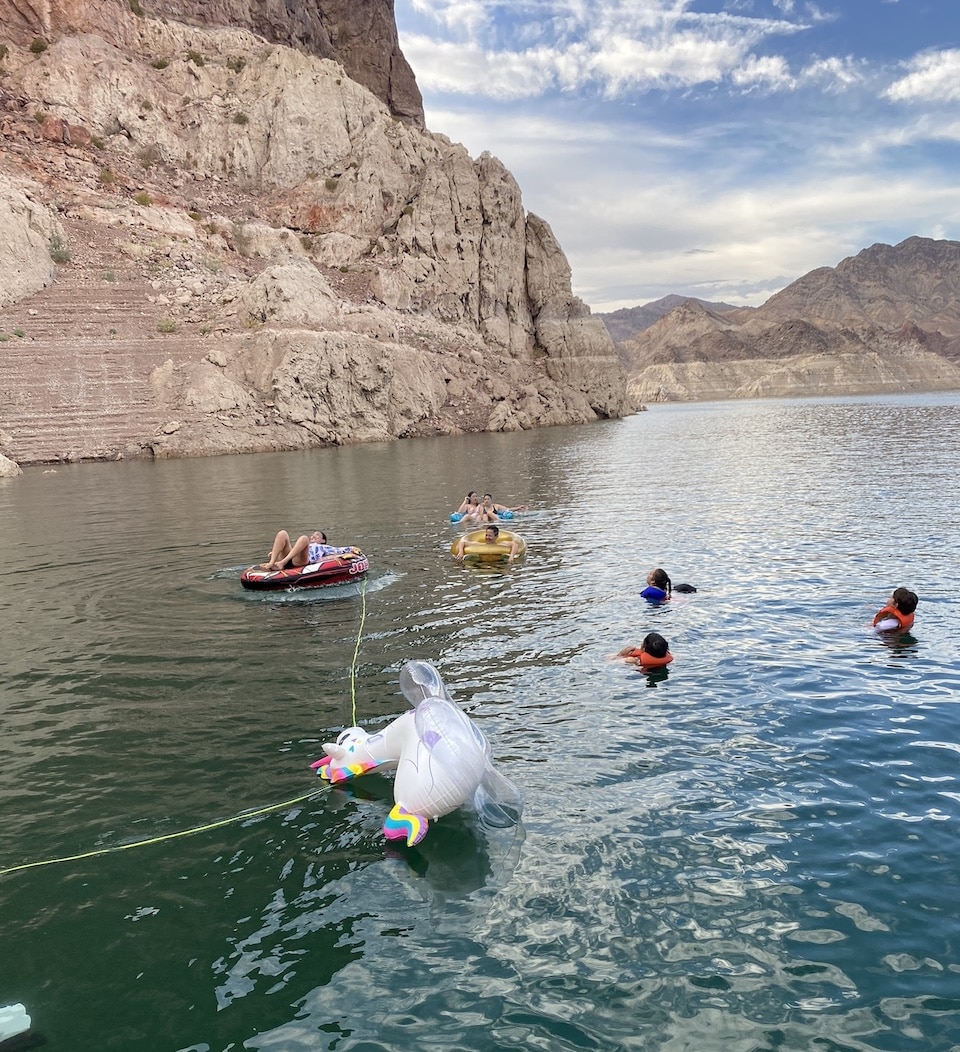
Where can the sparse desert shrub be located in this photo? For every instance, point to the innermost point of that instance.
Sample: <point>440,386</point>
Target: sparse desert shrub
<point>109,275</point>
<point>38,45</point>
<point>236,63</point>
<point>241,238</point>
<point>166,325</point>
<point>59,252</point>
<point>160,63</point>
<point>107,177</point>
<point>143,198</point>
<point>149,155</point>
<point>19,333</point>
<point>331,183</point>
<point>136,8</point>
<point>3,52</point>
<point>240,118</point>
<point>195,57</point>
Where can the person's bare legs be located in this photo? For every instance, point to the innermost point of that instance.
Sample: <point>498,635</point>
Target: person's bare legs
<point>279,552</point>
<point>298,553</point>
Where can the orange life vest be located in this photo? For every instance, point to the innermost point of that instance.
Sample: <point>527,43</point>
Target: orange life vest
<point>648,660</point>
<point>904,620</point>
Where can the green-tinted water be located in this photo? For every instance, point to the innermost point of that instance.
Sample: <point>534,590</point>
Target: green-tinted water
<point>755,850</point>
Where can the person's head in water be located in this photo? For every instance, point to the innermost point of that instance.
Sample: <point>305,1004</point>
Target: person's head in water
<point>491,534</point>
<point>904,600</point>
<point>655,645</point>
<point>660,579</point>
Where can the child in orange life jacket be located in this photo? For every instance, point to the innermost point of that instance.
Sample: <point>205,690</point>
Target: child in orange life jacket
<point>653,652</point>
<point>898,614</point>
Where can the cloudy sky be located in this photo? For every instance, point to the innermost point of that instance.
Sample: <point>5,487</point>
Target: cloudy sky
<point>712,148</point>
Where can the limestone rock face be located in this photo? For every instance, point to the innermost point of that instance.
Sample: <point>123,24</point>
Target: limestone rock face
<point>26,233</point>
<point>9,468</point>
<point>886,320</point>
<point>263,257</point>
<point>359,34</point>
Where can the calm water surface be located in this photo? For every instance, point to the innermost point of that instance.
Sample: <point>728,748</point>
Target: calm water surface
<point>757,849</point>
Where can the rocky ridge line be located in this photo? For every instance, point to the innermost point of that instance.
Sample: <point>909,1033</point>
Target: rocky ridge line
<point>309,269</point>
<point>884,321</point>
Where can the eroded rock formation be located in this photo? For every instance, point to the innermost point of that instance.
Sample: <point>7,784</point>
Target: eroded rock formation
<point>359,34</point>
<point>255,253</point>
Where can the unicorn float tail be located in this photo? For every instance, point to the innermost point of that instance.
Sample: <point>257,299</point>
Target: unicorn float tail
<point>402,824</point>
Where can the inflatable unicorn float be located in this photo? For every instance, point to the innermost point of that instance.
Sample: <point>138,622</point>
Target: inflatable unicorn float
<point>442,761</point>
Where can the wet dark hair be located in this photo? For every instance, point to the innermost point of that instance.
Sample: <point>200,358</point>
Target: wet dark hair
<point>323,536</point>
<point>662,580</point>
<point>655,645</point>
<point>496,529</point>
<point>905,600</point>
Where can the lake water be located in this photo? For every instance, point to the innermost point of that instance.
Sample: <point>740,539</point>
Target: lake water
<point>757,849</point>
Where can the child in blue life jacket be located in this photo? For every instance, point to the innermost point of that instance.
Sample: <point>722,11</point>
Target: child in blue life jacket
<point>659,587</point>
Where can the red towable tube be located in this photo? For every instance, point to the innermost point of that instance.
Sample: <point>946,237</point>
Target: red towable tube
<point>332,569</point>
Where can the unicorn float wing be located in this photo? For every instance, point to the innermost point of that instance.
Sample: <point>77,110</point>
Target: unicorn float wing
<point>442,760</point>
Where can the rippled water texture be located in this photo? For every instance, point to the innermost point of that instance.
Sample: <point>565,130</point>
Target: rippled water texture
<point>755,849</point>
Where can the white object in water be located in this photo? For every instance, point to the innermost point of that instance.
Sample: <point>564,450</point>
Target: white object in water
<point>13,1020</point>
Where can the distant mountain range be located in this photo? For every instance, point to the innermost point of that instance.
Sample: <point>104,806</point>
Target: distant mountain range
<point>627,322</point>
<point>885,320</point>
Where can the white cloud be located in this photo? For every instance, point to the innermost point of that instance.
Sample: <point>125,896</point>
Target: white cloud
<point>681,151</point>
<point>616,46</point>
<point>934,77</point>
<point>771,71</point>
<point>677,60</point>
<point>458,69</point>
<point>736,246</point>
<point>834,73</point>
<point>466,17</point>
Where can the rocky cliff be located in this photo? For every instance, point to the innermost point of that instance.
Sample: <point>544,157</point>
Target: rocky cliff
<point>212,240</point>
<point>359,34</point>
<point>885,320</point>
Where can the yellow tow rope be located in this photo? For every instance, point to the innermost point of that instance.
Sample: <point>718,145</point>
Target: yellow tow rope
<point>242,816</point>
